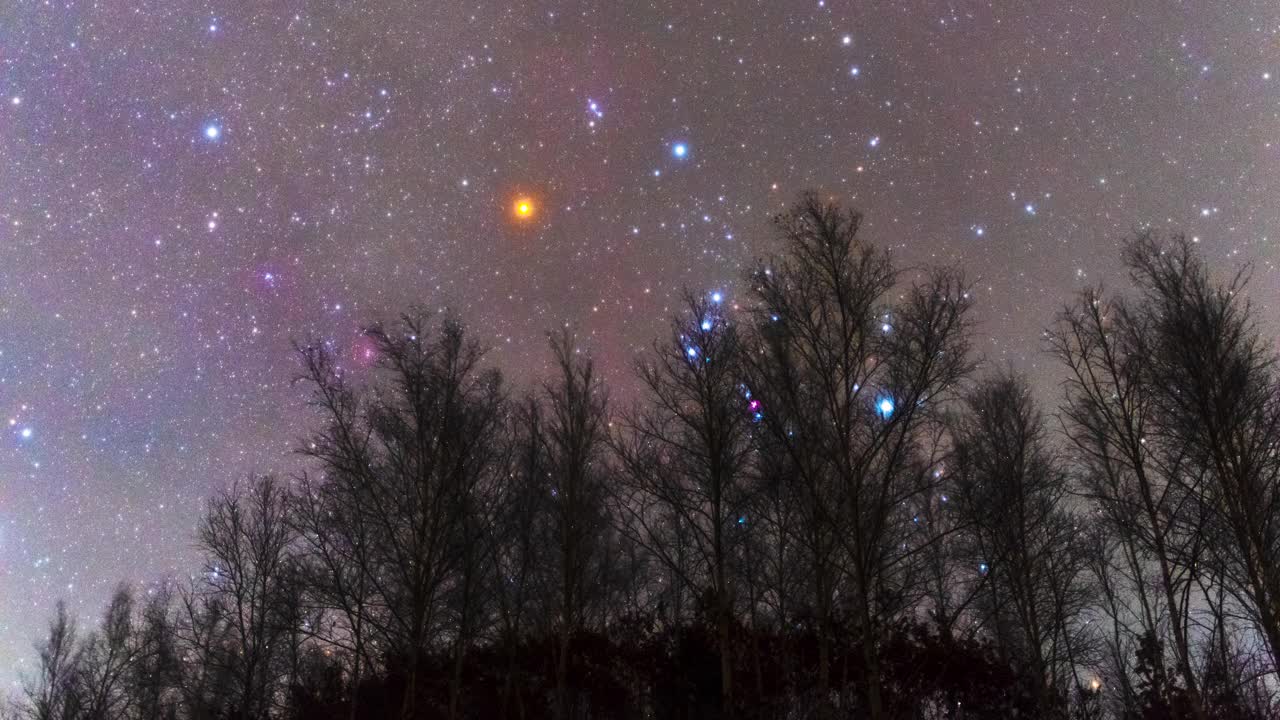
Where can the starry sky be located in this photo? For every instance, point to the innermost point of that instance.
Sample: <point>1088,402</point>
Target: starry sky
<point>186,187</point>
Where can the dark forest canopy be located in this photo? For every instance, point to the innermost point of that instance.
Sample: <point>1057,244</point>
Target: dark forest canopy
<point>822,505</point>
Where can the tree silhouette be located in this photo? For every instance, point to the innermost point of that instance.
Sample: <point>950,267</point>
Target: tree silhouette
<point>684,456</point>
<point>847,384</point>
<point>811,507</point>
<point>1012,489</point>
<point>54,693</point>
<point>1217,397</point>
<point>575,434</point>
<point>403,455</point>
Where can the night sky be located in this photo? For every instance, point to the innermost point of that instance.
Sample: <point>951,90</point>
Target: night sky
<point>186,187</point>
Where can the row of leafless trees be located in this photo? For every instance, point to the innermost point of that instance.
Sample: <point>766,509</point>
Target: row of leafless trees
<point>817,507</point>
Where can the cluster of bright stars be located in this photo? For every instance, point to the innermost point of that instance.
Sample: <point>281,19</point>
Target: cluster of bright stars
<point>24,432</point>
<point>884,405</point>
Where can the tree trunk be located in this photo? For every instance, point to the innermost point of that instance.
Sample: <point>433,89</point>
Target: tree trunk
<point>562,676</point>
<point>824,666</point>
<point>870,666</point>
<point>355,668</point>
<point>455,683</point>
<point>726,664</point>
<point>408,707</point>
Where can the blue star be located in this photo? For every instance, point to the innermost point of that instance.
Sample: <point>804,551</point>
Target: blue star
<point>716,297</point>
<point>212,131</point>
<point>26,433</point>
<point>885,406</point>
<point>680,150</point>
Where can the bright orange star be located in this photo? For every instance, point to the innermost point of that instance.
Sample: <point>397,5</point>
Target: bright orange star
<point>523,208</point>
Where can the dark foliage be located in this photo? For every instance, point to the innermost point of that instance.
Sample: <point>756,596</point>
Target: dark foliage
<point>632,671</point>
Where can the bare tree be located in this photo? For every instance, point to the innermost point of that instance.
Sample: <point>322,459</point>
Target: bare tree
<point>247,542</point>
<point>54,693</point>
<point>153,674</point>
<point>1139,478</point>
<point>202,628</point>
<point>337,559</point>
<point>950,571</point>
<point>469,597</point>
<point>1013,490</point>
<point>576,436</point>
<point>783,547</point>
<point>402,455</point>
<point>521,534</point>
<point>847,384</point>
<point>1215,396</point>
<point>107,658</point>
<point>684,457</point>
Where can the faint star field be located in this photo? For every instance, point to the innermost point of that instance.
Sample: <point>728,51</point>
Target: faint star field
<point>187,187</point>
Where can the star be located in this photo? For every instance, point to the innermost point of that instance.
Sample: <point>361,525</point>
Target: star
<point>523,208</point>
<point>885,407</point>
<point>158,355</point>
